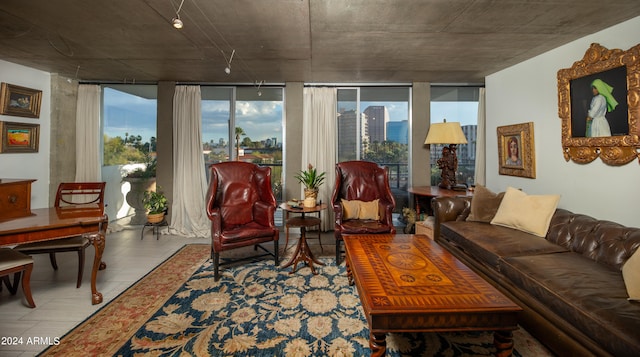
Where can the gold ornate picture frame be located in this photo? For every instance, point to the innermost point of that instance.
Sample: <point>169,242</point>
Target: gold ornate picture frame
<point>19,137</point>
<point>20,101</point>
<point>516,150</point>
<point>620,72</point>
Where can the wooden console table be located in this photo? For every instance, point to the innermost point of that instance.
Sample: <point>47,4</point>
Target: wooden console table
<point>53,223</point>
<point>434,191</point>
<point>409,283</point>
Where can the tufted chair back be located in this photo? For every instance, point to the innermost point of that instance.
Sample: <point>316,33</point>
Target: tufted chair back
<point>241,207</point>
<point>364,181</point>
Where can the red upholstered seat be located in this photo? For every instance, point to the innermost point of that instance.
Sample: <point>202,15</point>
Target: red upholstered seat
<point>364,181</point>
<point>241,207</point>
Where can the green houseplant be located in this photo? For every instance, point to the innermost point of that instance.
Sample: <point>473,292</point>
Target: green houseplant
<point>311,180</point>
<point>155,202</point>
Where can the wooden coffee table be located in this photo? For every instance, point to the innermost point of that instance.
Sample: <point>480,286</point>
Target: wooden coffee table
<point>409,283</point>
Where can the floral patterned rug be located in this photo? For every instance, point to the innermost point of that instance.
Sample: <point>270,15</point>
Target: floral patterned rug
<point>255,309</point>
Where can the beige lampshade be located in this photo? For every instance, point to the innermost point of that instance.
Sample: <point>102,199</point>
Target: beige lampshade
<point>445,133</point>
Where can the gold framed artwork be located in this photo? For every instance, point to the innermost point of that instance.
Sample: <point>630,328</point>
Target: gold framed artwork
<point>20,101</point>
<point>516,151</point>
<point>19,137</point>
<point>599,105</point>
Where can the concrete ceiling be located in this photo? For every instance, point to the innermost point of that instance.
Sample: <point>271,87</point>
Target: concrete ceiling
<point>276,41</point>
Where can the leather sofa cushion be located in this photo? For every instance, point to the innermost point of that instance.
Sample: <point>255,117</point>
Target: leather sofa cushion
<point>488,243</point>
<point>251,230</point>
<point>363,226</point>
<point>590,296</point>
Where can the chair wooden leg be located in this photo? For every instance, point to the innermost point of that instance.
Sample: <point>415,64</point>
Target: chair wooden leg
<point>26,285</point>
<point>216,266</point>
<point>275,250</point>
<point>12,286</point>
<point>337,251</point>
<point>52,258</point>
<point>80,267</point>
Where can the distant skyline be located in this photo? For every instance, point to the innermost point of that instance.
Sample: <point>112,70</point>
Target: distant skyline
<point>261,120</point>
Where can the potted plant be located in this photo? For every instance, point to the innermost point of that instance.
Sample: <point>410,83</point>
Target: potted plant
<point>155,203</point>
<point>311,180</point>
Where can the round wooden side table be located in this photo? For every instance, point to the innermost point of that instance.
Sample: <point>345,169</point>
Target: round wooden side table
<point>302,252</point>
<point>287,209</point>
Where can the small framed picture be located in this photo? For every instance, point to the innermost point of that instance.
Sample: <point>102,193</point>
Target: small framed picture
<point>516,152</point>
<point>19,137</point>
<point>20,101</point>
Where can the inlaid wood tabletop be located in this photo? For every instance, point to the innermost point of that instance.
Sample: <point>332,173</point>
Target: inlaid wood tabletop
<point>409,283</point>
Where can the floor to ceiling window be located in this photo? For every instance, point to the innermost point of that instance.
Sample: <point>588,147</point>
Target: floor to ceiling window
<point>129,124</point>
<point>456,104</point>
<point>246,124</point>
<point>373,125</point>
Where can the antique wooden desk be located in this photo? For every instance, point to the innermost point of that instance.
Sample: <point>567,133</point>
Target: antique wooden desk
<point>409,283</point>
<point>52,223</point>
<point>430,192</point>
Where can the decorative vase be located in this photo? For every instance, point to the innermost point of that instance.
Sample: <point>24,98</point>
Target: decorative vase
<point>310,197</point>
<point>155,217</point>
<point>135,195</point>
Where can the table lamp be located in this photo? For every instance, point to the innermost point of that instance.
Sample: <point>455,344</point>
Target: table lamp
<point>451,134</point>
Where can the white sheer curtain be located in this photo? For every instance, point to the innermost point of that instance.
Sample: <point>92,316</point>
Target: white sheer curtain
<point>188,216</point>
<point>319,133</point>
<point>88,134</point>
<point>481,141</point>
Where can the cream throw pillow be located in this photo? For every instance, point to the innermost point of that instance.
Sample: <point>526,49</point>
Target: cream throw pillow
<point>369,210</point>
<point>350,209</point>
<point>356,209</point>
<point>527,213</point>
<point>631,275</point>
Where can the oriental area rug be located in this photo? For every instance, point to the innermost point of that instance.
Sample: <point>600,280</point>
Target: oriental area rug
<point>255,309</point>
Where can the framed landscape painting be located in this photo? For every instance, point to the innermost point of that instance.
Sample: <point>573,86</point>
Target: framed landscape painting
<point>19,137</point>
<point>20,101</point>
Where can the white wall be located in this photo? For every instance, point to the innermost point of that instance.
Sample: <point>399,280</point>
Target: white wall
<point>527,92</point>
<point>31,165</point>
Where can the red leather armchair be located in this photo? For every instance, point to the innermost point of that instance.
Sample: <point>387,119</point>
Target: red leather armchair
<point>241,206</point>
<point>365,181</point>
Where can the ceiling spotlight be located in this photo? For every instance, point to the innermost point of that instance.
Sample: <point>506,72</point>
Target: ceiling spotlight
<point>227,69</point>
<point>259,85</point>
<point>176,22</point>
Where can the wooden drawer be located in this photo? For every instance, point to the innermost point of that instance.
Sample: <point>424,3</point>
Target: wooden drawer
<point>15,198</point>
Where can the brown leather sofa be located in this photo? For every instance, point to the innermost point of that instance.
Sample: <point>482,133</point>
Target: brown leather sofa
<point>569,283</point>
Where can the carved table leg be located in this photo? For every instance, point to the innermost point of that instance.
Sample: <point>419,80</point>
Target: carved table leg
<point>503,340</point>
<point>302,254</point>
<point>378,344</point>
<point>98,241</point>
<point>349,272</point>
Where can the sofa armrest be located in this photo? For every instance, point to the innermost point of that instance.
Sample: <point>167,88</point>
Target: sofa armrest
<point>449,209</point>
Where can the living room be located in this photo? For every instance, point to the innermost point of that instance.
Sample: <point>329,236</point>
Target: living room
<point>524,92</point>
